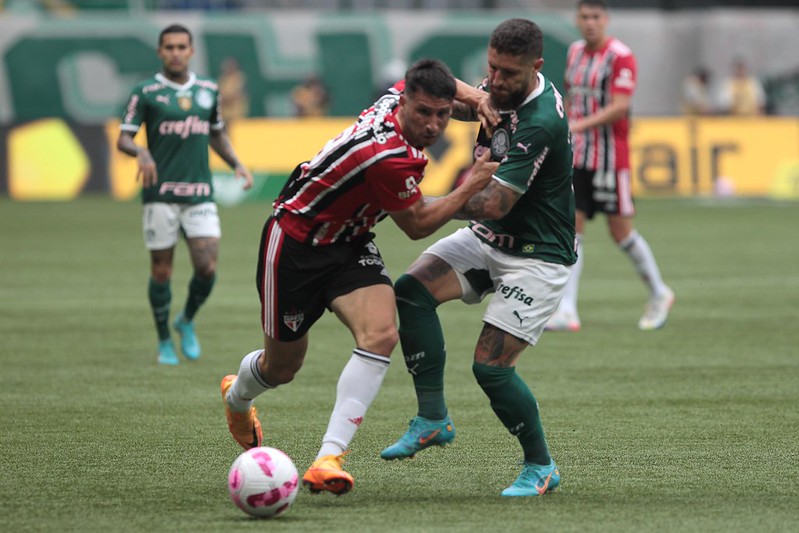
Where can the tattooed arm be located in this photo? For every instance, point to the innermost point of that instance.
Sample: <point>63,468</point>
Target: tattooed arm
<point>147,167</point>
<point>427,215</point>
<point>220,142</point>
<point>473,104</point>
<point>492,203</point>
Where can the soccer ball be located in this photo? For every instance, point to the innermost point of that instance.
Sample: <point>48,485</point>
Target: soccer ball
<point>263,482</point>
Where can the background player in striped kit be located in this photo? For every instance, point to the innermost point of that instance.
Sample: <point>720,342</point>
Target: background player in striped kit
<point>182,114</point>
<point>600,81</point>
<point>317,253</point>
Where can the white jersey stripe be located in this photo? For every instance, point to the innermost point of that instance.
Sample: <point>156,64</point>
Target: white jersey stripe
<point>270,275</point>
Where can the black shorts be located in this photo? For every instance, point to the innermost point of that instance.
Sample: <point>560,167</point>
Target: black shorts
<point>297,282</point>
<point>606,192</point>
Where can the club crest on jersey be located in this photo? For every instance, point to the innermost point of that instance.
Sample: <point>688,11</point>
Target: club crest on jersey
<point>500,143</point>
<point>293,320</point>
<point>184,102</point>
<point>204,99</point>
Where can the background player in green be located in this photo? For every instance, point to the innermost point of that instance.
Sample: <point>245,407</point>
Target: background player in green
<point>519,246</point>
<point>182,115</point>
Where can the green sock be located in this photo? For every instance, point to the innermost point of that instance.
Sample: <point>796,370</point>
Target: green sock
<point>199,289</point>
<point>160,296</point>
<point>422,345</point>
<point>514,403</point>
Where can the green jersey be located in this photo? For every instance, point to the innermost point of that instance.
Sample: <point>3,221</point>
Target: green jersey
<point>533,144</point>
<point>179,120</point>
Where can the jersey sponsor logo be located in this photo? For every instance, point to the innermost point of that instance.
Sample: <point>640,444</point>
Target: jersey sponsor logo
<point>411,188</point>
<point>130,112</point>
<point>501,239</point>
<point>371,260</point>
<point>500,143</point>
<point>179,188</point>
<point>293,319</point>
<point>515,293</point>
<point>191,125</point>
<point>204,98</point>
<point>625,79</point>
<point>538,162</point>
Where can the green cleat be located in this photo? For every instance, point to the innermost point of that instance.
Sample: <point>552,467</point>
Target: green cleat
<point>189,344</point>
<point>421,434</point>
<point>166,353</point>
<point>535,480</point>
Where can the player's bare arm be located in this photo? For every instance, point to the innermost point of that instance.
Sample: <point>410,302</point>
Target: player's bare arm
<point>147,168</point>
<point>426,216</point>
<point>220,142</point>
<point>472,104</point>
<point>617,109</point>
<point>492,203</point>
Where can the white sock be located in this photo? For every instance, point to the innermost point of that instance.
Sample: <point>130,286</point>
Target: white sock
<point>248,384</point>
<point>568,304</point>
<point>643,259</point>
<point>357,387</point>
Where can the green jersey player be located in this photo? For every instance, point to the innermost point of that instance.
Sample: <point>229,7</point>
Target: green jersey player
<point>181,112</point>
<point>519,246</point>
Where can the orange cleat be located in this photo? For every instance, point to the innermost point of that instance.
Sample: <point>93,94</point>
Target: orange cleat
<point>245,427</point>
<point>326,474</point>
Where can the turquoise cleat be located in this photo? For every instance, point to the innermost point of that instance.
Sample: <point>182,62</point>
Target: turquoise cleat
<point>421,434</point>
<point>535,480</point>
<point>166,353</point>
<point>189,344</point>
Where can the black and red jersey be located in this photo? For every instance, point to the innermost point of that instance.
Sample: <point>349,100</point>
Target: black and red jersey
<point>592,76</point>
<point>368,170</point>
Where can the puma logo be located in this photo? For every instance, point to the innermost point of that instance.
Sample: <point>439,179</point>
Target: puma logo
<point>523,147</point>
<point>517,315</point>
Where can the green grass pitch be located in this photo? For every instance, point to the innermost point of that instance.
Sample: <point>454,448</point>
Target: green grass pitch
<point>691,428</point>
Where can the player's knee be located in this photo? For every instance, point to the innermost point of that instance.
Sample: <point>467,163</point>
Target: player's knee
<point>411,291</point>
<point>206,272</point>
<point>491,377</point>
<point>161,273</point>
<point>381,341</point>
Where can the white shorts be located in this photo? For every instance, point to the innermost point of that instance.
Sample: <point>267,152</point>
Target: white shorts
<point>161,223</point>
<point>526,291</point>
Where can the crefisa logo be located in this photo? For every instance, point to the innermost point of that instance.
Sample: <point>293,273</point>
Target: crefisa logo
<point>515,293</point>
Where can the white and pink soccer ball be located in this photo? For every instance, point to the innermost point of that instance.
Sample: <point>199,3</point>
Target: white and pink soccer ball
<point>263,482</point>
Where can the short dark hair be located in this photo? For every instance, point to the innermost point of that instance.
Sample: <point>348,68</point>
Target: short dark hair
<point>519,38</point>
<point>173,28</point>
<point>593,3</point>
<point>431,77</point>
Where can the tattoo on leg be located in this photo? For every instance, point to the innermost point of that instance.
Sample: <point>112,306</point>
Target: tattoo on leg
<point>203,253</point>
<point>497,348</point>
<point>434,270</point>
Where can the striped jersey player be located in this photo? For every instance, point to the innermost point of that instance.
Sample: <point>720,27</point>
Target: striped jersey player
<point>317,252</point>
<point>600,79</point>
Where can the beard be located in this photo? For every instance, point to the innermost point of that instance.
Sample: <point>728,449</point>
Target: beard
<point>508,101</point>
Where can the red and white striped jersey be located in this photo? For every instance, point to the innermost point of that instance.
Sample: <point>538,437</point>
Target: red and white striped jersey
<point>355,180</point>
<point>591,78</point>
